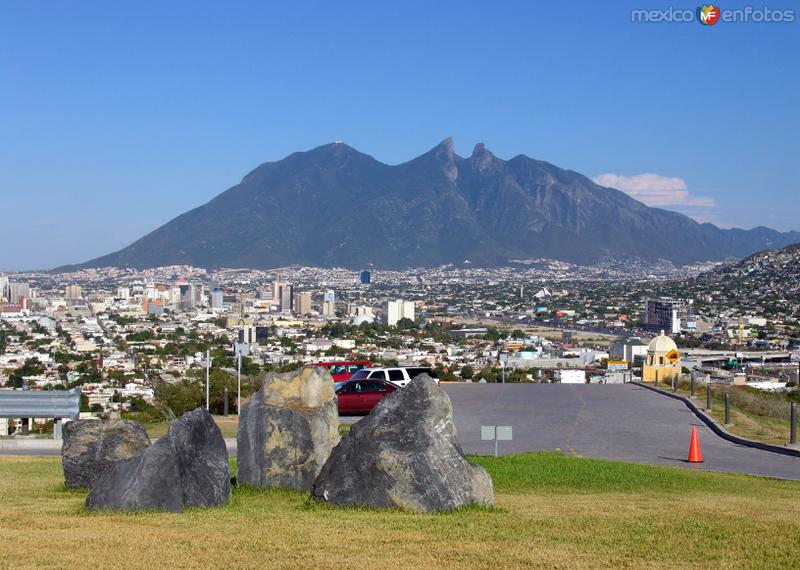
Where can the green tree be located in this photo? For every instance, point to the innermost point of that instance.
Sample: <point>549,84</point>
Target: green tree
<point>31,367</point>
<point>406,324</point>
<point>467,372</point>
<point>181,397</point>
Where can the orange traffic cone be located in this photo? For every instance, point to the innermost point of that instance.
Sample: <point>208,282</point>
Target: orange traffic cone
<point>695,456</point>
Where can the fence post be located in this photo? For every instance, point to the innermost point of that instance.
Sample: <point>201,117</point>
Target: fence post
<point>727,408</point>
<point>793,425</point>
<point>708,396</point>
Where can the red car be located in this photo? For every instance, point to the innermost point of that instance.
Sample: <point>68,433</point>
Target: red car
<point>360,396</point>
<point>343,369</point>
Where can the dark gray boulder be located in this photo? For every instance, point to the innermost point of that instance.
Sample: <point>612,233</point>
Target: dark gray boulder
<point>188,467</point>
<point>90,446</point>
<point>404,454</point>
<point>287,430</point>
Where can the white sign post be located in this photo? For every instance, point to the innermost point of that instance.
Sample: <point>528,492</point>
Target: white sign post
<point>496,433</point>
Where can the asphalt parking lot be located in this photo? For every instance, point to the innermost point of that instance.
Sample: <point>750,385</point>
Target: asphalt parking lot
<point>612,421</point>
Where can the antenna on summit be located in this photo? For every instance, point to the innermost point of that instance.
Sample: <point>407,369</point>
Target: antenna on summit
<point>338,141</point>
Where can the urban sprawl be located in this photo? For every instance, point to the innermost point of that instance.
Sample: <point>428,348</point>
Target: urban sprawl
<point>142,342</point>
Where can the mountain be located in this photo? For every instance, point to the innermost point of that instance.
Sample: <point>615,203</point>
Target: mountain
<point>334,206</point>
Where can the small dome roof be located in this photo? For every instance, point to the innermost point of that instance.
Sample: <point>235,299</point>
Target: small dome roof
<point>662,344</point>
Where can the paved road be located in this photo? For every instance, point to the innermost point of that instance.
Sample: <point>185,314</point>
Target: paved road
<point>623,421</point>
<point>612,421</point>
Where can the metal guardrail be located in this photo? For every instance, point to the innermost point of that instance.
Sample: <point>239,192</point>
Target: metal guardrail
<point>40,404</point>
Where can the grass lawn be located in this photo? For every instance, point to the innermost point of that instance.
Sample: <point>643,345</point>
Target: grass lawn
<point>228,425</point>
<point>552,511</point>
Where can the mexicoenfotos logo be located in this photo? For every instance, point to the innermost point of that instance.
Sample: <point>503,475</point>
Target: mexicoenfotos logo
<point>708,15</point>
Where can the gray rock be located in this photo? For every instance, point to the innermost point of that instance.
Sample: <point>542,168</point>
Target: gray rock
<point>404,454</point>
<point>287,430</point>
<point>90,446</point>
<point>188,467</point>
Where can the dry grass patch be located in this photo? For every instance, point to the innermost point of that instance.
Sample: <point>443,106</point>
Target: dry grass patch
<point>552,511</point>
<point>760,417</point>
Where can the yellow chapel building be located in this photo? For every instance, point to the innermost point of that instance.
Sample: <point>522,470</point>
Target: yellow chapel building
<point>663,360</point>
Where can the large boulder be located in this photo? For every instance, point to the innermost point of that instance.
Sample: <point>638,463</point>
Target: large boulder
<point>404,454</point>
<point>90,446</point>
<point>287,430</point>
<point>188,467</point>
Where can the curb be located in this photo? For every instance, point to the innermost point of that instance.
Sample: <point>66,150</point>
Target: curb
<point>719,430</point>
<point>15,444</point>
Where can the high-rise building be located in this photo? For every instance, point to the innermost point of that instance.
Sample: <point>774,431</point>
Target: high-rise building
<point>285,298</point>
<point>399,309</point>
<point>302,303</point>
<point>4,292</point>
<point>73,292</point>
<point>665,314</point>
<point>123,293</point>
<point>366,277</point>
<point>186,294</point>
<point>276,289</point>
<point>17,292</point>
<point>217,299</point>
<point>329,303</point>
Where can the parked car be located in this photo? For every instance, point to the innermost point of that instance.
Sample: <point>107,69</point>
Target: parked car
<point>343,369</point>
<point>360,396</point>
<point>400,376</point>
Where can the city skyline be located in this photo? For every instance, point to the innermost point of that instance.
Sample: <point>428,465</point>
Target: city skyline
<point>117,122</point>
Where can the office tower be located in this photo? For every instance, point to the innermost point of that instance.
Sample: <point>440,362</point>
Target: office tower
<point>329,308</point>
<point>302,303</point>
<point>285,298</point>
<point>4,292</point>
<point>217,299</point>
<point>276,289</point>
<point>73,292</point>
<point>17,292</point>
<point>366,277</point>
<point>399,309</point>
<point>665,314</point>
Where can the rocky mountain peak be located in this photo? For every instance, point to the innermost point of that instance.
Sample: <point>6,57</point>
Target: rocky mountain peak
<point>482,158</point>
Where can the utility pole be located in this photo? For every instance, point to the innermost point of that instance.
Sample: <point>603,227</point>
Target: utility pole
<point>208,378</point>
<point>238,382</point>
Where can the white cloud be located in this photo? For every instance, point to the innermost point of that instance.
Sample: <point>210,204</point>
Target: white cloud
<point>654,189</point>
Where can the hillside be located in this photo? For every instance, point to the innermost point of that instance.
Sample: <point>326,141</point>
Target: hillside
<point>764,283</point>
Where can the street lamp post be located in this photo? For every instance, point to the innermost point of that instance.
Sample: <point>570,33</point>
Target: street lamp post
<point>238,382</point>
<point>208,378</point>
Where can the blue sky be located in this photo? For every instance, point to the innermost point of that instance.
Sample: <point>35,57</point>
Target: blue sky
<point>116,117</point>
